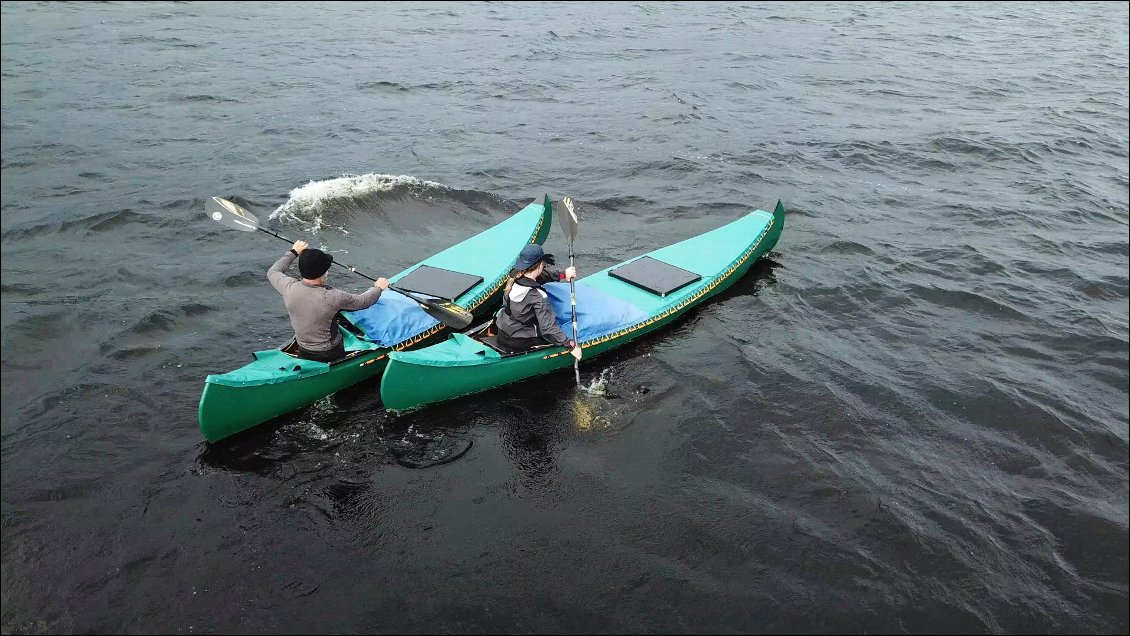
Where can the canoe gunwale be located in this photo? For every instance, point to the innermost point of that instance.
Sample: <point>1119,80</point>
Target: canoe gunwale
<point>693,299</point>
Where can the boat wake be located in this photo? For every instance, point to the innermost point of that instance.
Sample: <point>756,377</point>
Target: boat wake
<point>308,204</point>
<point>426,450</point>
<point>593,404</point>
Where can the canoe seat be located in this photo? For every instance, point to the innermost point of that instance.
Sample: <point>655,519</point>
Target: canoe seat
<point>492,342</point>
<point>488,335</point>
<point>291,349</point>
<point>354,346</point>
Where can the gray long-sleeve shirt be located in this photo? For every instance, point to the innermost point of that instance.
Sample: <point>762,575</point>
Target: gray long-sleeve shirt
<point>312,307</point>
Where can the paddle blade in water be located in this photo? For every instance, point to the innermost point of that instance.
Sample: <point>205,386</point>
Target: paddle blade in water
<point>449,314</point>
<point>444,311</point>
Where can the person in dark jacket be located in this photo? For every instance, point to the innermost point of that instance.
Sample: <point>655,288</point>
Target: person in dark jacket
<point>313,305</point>
<point>527,319</point>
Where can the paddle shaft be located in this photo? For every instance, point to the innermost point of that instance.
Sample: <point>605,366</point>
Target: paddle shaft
<point>573,307</point>
<point>422,301</point>
<point>232,215</point>
<point>349,267</point>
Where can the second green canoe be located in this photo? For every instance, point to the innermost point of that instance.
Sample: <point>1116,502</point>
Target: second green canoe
<point>615,306</point>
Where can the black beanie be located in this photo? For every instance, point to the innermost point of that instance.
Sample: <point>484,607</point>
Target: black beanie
<point>312,263</point>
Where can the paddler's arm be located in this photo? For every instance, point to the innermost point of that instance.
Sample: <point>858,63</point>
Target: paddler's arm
<point>547,324</point>
<point>276,275</point>
<point>354,302</point>
<point>556,275</point>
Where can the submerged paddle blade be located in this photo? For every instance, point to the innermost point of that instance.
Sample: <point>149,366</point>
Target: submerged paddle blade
<point>567,217</point>
<point>449,314</point>
<point>230,214</point>
<point>444,311</point>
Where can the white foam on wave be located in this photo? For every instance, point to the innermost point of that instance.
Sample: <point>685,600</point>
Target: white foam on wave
<point>306,202</point>
<point>599,385</point>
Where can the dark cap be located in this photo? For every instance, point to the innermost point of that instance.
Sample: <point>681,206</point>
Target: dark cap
<point>312,263</point>
<point>530,256</point>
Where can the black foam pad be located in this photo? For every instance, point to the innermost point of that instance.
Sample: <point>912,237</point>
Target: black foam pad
<point>438,282</point>
<point>655,276</point>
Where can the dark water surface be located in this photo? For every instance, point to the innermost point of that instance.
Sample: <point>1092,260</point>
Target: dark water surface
<point>912,418</point>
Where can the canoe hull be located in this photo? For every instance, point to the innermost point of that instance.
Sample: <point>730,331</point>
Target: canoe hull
<point>226,410</point>
<point>407,386</point>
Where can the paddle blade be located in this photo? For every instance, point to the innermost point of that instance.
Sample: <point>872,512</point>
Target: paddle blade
<point>444,311</point>
<point>449,314</point>
<point>567,217</point>
<point>229,214</point>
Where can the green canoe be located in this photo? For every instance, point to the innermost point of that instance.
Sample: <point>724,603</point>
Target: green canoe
<point>277,381</point>
<point>618,311</point>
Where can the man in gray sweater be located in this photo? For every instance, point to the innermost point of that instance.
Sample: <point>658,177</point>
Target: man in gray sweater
<point>313,305</point>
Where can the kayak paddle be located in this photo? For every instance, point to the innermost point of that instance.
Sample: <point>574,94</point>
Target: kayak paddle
<point>569,222</point>
<point>235,216</point>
